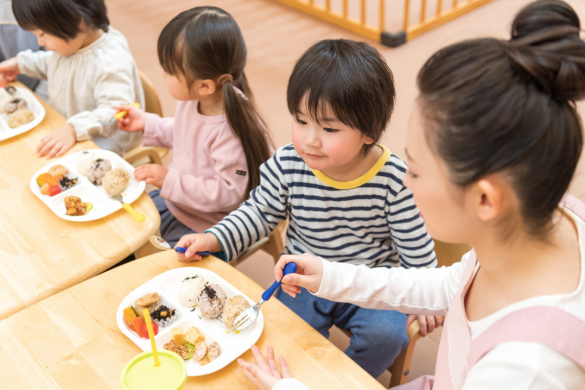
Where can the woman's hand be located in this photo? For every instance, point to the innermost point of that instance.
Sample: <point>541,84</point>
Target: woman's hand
<point>309,273</point>
<point>133,120</point>
<point>264,374</point>
<point>427,323</point>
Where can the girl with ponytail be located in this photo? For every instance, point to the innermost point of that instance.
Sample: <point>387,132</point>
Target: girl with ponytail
<point>218,138</point>
<point>492,146</point>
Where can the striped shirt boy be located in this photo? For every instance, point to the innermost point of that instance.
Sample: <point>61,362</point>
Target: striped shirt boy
<point>371,220</point>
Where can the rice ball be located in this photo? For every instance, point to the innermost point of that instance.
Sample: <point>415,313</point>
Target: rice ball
<point>211,301</point>
<point>232,309</point>
<point>190,290</point>
<point>115,181</point>
<point>97,169</point>
<point>84,161</point>
<point>20,118</point>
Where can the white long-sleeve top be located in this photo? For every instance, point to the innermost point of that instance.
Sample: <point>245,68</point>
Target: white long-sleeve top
<point>511,365</point>
<point>87,85</point>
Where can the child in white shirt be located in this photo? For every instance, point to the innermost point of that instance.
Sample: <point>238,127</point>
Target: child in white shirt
<point>88,67</point>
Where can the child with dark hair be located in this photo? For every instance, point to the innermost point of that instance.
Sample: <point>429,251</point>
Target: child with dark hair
<point>218,138</point>
<point>88,67</point>
<point>492,147</point>
<point>341,191</point>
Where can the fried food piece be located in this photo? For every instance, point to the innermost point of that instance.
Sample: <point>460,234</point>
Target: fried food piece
<point>181,350</point>
<point>20,118</point>
<point>58,170</point>
<point>75,206</point>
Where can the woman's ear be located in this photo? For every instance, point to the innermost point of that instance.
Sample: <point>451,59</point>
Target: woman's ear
<point>491,197</point>
<point>205,87</point>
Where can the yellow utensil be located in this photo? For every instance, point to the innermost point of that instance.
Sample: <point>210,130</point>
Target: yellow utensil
<point>121,114</point>
<point>151,336</point>
<point>138,217</point>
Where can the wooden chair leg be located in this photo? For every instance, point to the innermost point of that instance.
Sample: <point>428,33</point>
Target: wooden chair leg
<point>401,366</point>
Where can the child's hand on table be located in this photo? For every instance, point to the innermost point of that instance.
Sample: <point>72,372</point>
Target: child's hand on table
<point>9,70</point>
<point>427,323</point>
<point>154,174</point>
<point>264,374</point>
<point>309,273</point>
<point>197,243</point>
<point>58,142</point>
<point>133,120</point>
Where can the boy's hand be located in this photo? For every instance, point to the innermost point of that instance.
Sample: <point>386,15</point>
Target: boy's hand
<point>264,374</point>
<point>133,120</point>
<point>9,70</point>
<point>309,273</point>
<point>154,174</point>
<point>427,323</point>
<point>58,142</point>
<point>197,243</point>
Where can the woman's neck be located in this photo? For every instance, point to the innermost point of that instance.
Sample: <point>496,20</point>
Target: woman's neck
<point>525,266</point>
<point>212,105</point>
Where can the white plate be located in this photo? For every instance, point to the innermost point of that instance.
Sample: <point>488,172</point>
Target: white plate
<point>167,286</point>
<point>103,205</point>
<point>33,105</point>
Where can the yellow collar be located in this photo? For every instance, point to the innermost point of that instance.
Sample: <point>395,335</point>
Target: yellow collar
<point>346,185</point>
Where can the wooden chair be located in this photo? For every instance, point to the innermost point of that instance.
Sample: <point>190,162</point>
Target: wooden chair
<point>147,154</point>
<point>447,254</point>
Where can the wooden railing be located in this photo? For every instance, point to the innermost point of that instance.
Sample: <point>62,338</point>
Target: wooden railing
<point>379,20</point>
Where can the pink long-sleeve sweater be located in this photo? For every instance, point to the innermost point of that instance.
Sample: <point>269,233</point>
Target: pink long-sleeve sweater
<point>209,174</point>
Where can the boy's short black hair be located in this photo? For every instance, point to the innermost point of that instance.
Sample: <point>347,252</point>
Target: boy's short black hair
<point>60,18</point>
<point>349,77</point>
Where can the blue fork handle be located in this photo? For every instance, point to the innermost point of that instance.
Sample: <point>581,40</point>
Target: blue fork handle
<point>180,249</point>
<point>290,268</point>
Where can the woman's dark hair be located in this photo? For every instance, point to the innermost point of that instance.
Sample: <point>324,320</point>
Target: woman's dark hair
<point>509,107</point>
<point>60,18</point>
<point>349,77</point>
<point>206,43</point>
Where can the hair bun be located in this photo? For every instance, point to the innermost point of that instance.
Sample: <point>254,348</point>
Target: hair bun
<point>545,43</point>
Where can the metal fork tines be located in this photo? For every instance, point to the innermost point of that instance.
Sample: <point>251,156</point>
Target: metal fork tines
<point>248,316</point>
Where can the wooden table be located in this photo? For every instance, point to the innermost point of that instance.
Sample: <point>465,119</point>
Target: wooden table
<point>42,254</point>
<point>71,340</point>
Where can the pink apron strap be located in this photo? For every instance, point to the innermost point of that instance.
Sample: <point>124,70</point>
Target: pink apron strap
<point>546,325</point>
<point>574,204</point>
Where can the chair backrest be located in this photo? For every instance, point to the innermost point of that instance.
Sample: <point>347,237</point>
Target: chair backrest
<point>151,100</point>
<point>448,254</point>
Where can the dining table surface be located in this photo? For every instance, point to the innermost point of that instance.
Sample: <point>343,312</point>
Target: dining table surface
<point>42,254</point>
<point>71,340</point>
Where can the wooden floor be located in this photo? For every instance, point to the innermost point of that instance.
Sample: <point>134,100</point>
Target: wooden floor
<point>276,36</point>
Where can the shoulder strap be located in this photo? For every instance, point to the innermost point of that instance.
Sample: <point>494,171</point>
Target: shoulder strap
<point>546,325</point>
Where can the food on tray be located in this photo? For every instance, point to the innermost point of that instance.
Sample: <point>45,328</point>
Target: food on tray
<point>129,314</point>
<point>45,189</point>
<point>163,315</point>
<point>74,206</point>
<point>213,351</point>
<point>184,350</point>
<point>20,117</point>
<point>190,290</point>
<point>84,161</point>
<point>54,190</point>
<point>149,301</point>
<point>136,324</point>
<point>193,336</point>
<point>97,169</point>
<point>211,301</point>
<point>11,90</point>
<point>233,308</point>
<point>144,330</point>
<point>66,183</point>
<point>15,104</point>
<point>58,170</point>
<point>178,335</point>
<point>115,181</point>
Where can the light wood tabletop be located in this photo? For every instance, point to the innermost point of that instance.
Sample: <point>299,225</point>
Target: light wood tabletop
<point>42,254</point>
<point>71,340</point>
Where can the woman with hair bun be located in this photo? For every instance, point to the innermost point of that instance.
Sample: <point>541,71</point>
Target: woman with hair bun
<point>492,146</point>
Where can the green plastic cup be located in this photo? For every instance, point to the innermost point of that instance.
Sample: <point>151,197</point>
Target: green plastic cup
<point>141,374</point>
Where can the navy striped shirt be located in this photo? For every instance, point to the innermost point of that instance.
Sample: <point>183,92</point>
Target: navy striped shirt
<point>371,220</point>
